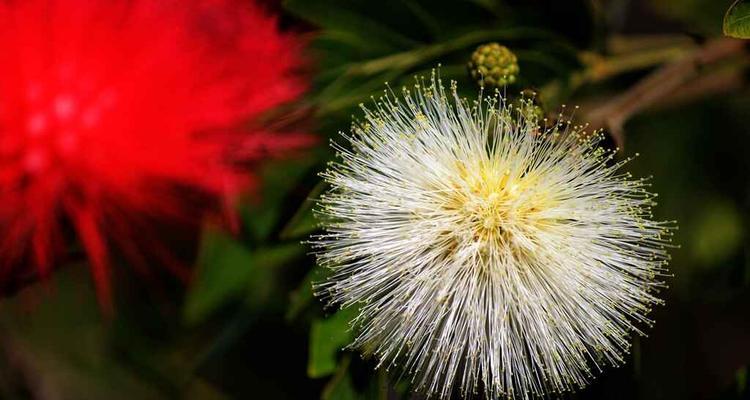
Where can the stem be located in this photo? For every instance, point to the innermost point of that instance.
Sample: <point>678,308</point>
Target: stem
<point>659,84</point>
<point>411,58</point>
<point>392,66</point>
<point>599,68</point>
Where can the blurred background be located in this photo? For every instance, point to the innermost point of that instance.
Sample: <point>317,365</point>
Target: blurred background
<point>657,75</point>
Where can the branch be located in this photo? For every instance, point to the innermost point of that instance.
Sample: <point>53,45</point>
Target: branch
<point>658,85</point>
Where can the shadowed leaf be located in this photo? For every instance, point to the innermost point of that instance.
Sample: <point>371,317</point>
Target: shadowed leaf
<point>737,20</point>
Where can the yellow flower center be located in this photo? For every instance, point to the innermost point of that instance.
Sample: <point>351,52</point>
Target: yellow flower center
<point>494,202</point>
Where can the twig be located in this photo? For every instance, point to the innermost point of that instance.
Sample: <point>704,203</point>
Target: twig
<point>659,84</point>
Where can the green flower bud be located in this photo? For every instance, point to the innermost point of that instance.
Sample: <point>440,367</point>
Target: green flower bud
<point>493,65</point>
<point>529,105</point>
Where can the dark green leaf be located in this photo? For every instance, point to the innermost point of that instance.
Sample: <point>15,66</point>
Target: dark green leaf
<point>346,19</point>
<point>303,295</point>
<point>226,270</point>
<point>264,262</point>
<point>279,178</point>
<point>224,267</point>
<point>340,386</point>
<point>303,221</point>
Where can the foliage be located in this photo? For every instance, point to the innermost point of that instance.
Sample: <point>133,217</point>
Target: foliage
<point>737,20</point>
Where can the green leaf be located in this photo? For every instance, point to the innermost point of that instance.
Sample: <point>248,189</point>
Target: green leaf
<point>279,179</point>
<point>223,270</point>
<point>227,270</point>
<point>340,387</point>
<point>737,20</point>
<point>303,221</point>
<point>717,233</point>
<point>264,262</point>
<point>303,295</point>
<point>327,338</point>
<point>343,17</point>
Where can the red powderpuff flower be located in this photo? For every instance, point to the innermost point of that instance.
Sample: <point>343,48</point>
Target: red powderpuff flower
<point>110,109</point>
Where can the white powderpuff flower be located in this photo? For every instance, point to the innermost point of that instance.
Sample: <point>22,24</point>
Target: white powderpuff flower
<point>486,253</point>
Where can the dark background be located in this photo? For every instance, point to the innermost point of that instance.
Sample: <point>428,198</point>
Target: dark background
<point>248,326</point>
